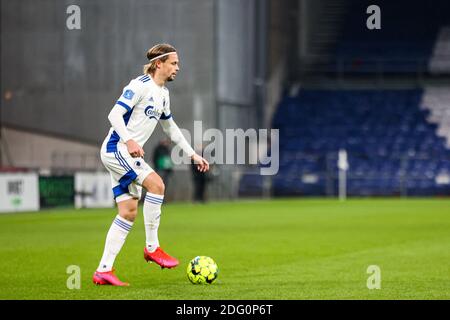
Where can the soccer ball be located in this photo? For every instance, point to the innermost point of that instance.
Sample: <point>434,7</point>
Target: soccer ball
<point>202,270</point>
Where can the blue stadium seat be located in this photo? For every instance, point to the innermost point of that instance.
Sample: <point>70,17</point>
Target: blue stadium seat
<point>388,140</point>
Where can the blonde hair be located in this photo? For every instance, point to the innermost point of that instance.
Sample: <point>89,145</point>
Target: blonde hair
<point>155,51</point>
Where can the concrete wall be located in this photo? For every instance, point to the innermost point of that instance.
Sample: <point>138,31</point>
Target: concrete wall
<point>27,149</point>
<point>282,50</point>
<point>64,82</point>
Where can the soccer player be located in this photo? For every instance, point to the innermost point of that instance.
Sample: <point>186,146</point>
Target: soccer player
<point>144,102</point>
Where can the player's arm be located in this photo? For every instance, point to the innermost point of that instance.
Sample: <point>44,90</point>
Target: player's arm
<point>173,131</point>
<point>115,117</point>
<point>130,97</point>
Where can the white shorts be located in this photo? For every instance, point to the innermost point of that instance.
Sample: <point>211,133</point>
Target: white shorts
<point>127,173</point>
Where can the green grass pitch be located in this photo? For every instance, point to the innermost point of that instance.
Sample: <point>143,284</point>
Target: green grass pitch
<point>278,249</point>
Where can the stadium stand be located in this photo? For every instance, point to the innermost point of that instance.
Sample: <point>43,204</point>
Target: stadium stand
<point>393,149</point>
<point>397,140</point>
<point>440,59</point>
<point>404,43</point>
<point>437,102</point>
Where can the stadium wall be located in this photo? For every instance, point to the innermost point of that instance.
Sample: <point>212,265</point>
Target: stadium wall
<point>46,154</point>
<point>65,81</point>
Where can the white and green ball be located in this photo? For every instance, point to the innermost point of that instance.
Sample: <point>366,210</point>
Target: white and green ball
<point>201,270</point>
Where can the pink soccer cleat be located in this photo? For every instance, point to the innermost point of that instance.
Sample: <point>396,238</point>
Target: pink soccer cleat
<point>161,258</point>
<point>108,278</point>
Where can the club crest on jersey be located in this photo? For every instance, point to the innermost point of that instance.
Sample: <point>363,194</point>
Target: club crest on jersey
<point>128,94</point>
<point>152,113</point>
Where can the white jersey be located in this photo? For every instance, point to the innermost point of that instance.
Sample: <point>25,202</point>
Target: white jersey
<point>146,103</point>
<point>134,116</point>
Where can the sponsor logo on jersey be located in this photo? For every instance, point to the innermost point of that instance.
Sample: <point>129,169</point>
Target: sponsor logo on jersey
<point>152,113</point>
<point>128,94</point>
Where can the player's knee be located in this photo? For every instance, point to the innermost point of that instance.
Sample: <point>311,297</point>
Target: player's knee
<point>155,184</point>
<point>161,187</point>
<point>157,187</point>
<point>128,213</point>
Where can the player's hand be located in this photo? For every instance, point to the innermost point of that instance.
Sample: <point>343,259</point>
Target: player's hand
<point>134,149</point>
<point>202,164</point>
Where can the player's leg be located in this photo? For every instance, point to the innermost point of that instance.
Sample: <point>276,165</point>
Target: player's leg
<point>118,233</point>
<point>126,197</point>
<point>145,176</point>
<point>152,214</point>
<point>152,209</point>
<point>115,240</point>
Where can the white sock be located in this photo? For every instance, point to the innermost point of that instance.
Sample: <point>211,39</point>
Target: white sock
<point>114,241</point>
<point>152,213</point>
